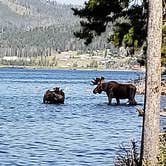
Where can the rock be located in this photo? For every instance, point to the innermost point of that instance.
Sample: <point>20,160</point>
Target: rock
<point>162,113</point>
<point>141,87</point>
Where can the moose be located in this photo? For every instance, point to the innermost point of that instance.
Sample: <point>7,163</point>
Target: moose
<point>116,90</point>
<point>55,96</point>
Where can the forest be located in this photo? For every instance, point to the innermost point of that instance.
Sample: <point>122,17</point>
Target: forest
<point>35,29</point>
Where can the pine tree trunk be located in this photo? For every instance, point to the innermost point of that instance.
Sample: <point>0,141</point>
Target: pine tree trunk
<point>153,85</point>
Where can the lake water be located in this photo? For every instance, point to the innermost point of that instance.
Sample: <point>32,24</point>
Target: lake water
<point>85,131</point>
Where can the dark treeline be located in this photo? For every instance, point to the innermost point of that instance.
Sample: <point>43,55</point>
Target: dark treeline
<point>59,38</point>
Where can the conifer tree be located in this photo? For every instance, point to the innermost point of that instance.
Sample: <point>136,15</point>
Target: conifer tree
<point>142,19</point>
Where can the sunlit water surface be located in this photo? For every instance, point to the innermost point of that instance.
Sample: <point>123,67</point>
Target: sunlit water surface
<point>85,131</point>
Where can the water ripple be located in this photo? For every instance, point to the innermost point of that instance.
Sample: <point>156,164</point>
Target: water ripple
<point>84,131</point>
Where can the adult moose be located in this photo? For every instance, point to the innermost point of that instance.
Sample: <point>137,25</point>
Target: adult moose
<point>116,90</point>
<point>55,96</point>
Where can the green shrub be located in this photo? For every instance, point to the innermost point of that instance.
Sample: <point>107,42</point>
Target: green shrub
<point>128,155</point>
<point>162,157</point>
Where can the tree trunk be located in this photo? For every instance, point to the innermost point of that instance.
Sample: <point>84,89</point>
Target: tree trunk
<point>151,123</point>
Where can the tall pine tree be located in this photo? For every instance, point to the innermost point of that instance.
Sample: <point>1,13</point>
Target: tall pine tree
<point>96,15</point>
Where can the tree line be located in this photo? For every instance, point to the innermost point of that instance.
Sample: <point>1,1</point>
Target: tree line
<point>41,26</point>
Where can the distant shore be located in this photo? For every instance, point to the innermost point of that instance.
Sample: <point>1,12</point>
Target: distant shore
<point>62,68</point>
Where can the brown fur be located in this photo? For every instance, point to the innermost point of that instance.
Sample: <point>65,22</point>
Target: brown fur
<point>116,90</point>
<point>54,97</point>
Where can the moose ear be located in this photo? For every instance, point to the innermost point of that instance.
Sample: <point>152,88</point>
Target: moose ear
<point>102,80</point>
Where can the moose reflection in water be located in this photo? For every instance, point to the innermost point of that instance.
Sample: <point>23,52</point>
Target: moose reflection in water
<point>116,90</point>
<point>55,96</point>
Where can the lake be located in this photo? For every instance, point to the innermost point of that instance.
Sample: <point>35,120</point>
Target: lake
<point>85,131</point>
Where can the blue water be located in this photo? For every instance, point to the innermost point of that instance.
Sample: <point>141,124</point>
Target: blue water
<point>85,131</point>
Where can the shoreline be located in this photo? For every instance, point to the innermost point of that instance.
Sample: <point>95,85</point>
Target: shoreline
<point>81,69</point>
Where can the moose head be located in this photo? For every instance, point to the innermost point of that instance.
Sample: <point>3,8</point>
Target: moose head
<point>98,82</point>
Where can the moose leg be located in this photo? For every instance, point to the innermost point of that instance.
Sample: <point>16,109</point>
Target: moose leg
<point>118,101</point>
<point>133,102</point>
<point>109,99</point>
<point>132,97</point>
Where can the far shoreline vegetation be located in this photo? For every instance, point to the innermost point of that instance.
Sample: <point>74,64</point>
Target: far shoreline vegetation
<point>67,68</point>
<point>142,69</point>
<point>74,60</point>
